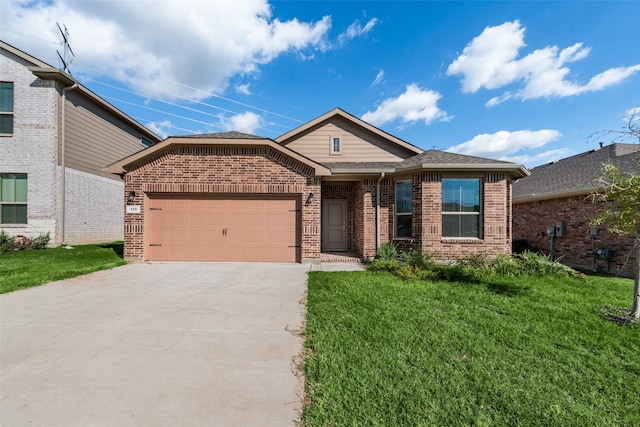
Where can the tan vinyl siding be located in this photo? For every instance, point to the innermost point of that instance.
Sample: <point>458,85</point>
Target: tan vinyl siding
<point>356,144</point>
<point>96,139</point>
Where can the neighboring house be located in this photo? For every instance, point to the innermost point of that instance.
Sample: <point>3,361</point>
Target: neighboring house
<point>56,139</point>
<point>335,184</point>
<point>555,198</point>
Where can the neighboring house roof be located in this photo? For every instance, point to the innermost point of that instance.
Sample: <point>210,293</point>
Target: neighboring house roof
<point>47,72</point>
<point>223,139</point>
<point>575,175</point>
<point>341,113</point>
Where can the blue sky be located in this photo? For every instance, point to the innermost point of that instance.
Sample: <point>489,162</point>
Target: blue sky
<point>525,81</point>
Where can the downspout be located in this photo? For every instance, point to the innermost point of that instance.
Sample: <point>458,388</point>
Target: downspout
<point>63,138</point>
<point>378,210</point>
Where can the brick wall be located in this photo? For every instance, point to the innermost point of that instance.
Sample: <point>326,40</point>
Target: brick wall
<point>219,170</point>
<point>32,149</point>
<point>531,220</point>
<point>427,218</point>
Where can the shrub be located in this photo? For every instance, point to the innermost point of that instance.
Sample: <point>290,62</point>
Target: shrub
<point>6,242</point>
<point>534,264</point>
<point>41,241</point>
<point>417,258</point>
<point>21,243</point>
<point>506,265</point>
<point>387,252</point>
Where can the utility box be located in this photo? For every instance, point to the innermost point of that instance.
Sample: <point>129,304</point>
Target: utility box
<point>551,231</point>
<point>560,228</point>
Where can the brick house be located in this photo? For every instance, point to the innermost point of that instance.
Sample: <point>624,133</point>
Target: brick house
<point>555,198</point>
<point>56,139</point>
<point>333,185</point>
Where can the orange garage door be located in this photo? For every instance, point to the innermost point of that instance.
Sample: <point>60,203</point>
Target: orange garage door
<point>195,228</point>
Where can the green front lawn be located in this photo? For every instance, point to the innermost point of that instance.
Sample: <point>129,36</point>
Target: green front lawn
<point>532,351</point>
<point>24,269</point>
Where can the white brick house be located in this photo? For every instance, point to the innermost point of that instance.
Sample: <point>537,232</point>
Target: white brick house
<point>56,139</point>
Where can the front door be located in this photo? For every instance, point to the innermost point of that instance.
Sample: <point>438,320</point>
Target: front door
<point>334,225</point>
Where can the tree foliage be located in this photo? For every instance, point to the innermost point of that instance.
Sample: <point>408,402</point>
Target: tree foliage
<point>619,192</point>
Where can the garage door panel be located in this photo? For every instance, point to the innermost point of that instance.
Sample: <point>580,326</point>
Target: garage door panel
<point>222,229</point>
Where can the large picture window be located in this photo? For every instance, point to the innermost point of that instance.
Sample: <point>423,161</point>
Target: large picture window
<point>13,198</point>
<point>461,207</point>
<point>404,209</point>
<point>6,108</point>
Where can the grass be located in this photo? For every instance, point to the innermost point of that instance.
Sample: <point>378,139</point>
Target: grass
<point>530,351</point>
<point>24,269</point>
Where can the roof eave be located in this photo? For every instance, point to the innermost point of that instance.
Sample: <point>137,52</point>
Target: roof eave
<point>555,195</point>
<point>514,170</point>
<point>123,166</point>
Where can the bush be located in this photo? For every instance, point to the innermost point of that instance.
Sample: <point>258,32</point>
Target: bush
<point>41,241</point>
<point>387,252</point>
<point>417,258</point>
<point>534,264</point>
<point>21,243</point>
<point>6,242</point>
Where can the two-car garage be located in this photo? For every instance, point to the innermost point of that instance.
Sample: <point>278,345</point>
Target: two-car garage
<point>221,228</point>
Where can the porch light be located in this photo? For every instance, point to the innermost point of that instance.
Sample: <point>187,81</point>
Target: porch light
<point>132,195</point>
<point>309,199</point>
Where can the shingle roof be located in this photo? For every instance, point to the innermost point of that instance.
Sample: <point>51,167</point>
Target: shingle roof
<point>224,135</point>
<point>576,174</point>
<point>437,157</point>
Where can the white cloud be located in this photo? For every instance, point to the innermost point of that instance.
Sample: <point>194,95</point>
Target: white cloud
<point>243,89</point>
<point>160,128</point>
<point>247,122</point>
<point>199,43</point>
<point>379,78</point>
<point>502,144</point>
<point>531,160</point>
<point>412,106</point>
<point>356,30</point>
<point>490,61</point>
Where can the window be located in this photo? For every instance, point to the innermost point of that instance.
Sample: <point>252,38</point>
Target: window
<point>335,145</point>
<point>6,108</point>
<point>404,209</point>
<point>145,142</point>
<point>13,198</point>
<point>461,207</point>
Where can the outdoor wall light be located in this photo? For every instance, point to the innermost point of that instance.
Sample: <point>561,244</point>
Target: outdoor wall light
<point>132,196</point>
<point>309,199</point>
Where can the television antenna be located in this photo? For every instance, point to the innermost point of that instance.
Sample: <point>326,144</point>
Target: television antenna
<point>67,55</point>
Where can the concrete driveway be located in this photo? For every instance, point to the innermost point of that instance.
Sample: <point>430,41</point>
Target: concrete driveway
<point>175,344</point>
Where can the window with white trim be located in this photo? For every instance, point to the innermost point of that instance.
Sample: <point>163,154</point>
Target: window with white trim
<point>13,198</point>
<point>335,145</point>
<point>461,211</point>
<point>6,108</point>
<point>404,209</point>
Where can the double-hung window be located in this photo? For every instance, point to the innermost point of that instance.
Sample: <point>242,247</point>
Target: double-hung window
<point>461,213</point>
<point>6,108</point>
<point>404,209</point>
<point>13,198</point>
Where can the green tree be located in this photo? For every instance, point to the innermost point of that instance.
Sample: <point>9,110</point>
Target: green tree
<point>619,192</point>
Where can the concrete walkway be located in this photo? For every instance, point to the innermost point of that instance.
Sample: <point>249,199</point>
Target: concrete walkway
<point>175,344</point>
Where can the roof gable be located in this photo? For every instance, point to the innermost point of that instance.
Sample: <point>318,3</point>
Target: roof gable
<point>338,115</point>
<point>220,139</point>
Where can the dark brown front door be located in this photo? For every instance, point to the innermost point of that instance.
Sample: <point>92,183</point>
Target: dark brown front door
<point>334,225</point>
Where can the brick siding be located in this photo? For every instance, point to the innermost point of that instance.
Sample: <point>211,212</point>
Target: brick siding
<point>531,221</point>
<point>220,170</point>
